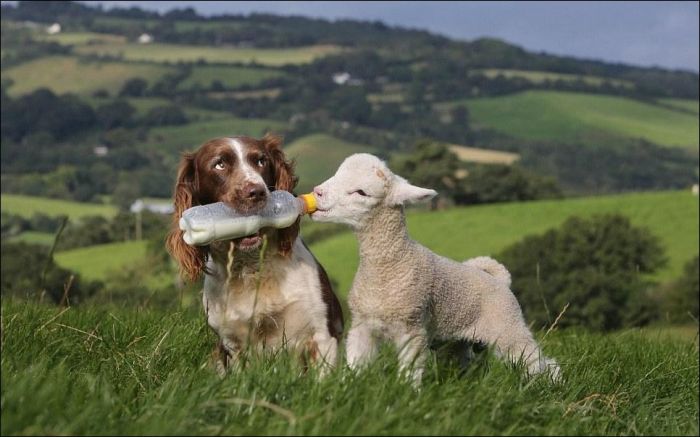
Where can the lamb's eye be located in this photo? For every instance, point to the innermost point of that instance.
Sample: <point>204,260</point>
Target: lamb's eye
<point>360,192</point>
<point>220,164</point>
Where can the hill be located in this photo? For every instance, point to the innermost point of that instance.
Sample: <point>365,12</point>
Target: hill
<point>318,156</point>
<point>63,74</point>
<point>185,53</point>
<point>26,206</point>
<point>584,118</point>
<point>462,233</point>
<point>95,262</point>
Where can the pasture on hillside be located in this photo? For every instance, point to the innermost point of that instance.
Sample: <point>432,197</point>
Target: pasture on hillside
<point>582,118</point>
<point>27,206</point>
<point>203,76</point>
<point>157,52</point>
<point>66,74</point>
<point>111,370</point>
<point>317,157</point>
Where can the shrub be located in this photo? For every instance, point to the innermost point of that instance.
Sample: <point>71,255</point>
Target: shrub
<point>593,264</point>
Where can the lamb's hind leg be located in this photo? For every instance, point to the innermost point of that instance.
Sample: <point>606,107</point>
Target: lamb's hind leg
<point>514,341</point>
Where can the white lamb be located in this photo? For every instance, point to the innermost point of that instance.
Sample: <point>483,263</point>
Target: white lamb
<point>403,292</point>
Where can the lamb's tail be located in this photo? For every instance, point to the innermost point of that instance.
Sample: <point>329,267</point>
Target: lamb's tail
<point>490,266</point>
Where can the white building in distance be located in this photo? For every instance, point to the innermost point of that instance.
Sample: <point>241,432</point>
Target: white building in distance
<point>53,29</point>
<point>145,39</point>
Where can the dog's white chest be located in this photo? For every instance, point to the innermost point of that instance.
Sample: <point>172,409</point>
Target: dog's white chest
<point>241,313</point>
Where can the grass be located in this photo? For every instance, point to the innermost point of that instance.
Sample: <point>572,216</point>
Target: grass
<point>462,233</point>
<point>115,371</point>
<point>318,156</point>
<point>65,74</point>
<point>81,38</point>
<point>486,156</point>
<point>158,52</point>
<point>689,105</point>
<point>36,237</point>
<point>176,139</point>
<point>27,206</point>
<point>96,262</point>
<point>542,76</point>
<point>230,77</point>
<point>581,118</point>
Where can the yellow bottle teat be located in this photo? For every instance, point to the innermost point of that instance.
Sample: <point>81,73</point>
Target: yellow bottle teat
<point>309,202</point>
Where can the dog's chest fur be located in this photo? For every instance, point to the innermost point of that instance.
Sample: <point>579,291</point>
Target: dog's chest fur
<point>263,310</point>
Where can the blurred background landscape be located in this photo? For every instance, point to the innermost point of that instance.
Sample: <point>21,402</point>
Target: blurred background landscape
<point>98,103</point>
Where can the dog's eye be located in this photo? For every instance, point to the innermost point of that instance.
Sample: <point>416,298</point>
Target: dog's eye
<point>360,192</point>
<point>220,164</point>
<point>260,162</point>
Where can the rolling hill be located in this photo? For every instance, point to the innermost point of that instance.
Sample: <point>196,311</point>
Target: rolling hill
<point>63,74</point>
<point>583,118</point>
<point>157,52</point>
<point>26,206</point>
<point>318,156</point>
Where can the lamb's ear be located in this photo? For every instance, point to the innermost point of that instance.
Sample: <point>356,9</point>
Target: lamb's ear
<point>402,192</point>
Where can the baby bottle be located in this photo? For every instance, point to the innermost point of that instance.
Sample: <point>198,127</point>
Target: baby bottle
<point>218,221</point>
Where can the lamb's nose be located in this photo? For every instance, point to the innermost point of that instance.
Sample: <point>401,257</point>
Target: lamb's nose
<point>318,192</point>
<point>255,192</point>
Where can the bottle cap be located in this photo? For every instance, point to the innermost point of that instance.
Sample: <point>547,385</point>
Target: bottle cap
<point>309,202</point>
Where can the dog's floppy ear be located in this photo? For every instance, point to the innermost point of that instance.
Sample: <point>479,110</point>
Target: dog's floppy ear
<point>284,180</point>
<point>191,259</point>
<point>402,192</point>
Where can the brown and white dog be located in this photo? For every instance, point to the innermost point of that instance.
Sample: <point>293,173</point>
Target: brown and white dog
<point>291,304</point>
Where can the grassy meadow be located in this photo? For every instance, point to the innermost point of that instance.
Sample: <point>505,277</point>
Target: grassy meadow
<point>96,262</point>
<point>462,233</point>
<point>576,117</point>
<point>318,156</point>
<point>543,76</point>
<point>157,52</point>
<point>231,77</point>
<point>176,139</point>
<point>109,371</point>
<point>27,206</point>
<point>66,74</point>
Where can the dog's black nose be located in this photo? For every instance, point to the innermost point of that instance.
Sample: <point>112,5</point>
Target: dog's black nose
<point>255,192</point>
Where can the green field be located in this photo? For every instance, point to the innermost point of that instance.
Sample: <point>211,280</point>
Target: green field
<point>542,76</point>
<point>27,206</point>
<point>318,156</point>
<point>81,38</point>
<point>176,139</point>
<point>117,371</point>
<point>157,52</point>
<point>462,233</point>
<point>565,116</point>
<point>689,105</point>
<point>35,237</point>
<point>96,262</point>
<point>230,77</point>
<point>63,74</point>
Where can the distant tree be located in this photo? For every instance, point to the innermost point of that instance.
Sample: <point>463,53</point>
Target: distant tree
<point>115,114</point>
<point>135,87</point>
<point>431,165</point>
<point>595,265</point>
<point>681,300</point>
<point>505,183</point>
<point>165,116</point>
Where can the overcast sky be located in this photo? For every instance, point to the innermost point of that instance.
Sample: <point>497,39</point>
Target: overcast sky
<point>641,33</point>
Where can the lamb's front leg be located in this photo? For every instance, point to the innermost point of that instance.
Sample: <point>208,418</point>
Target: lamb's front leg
<point>412,345</point>
<point>361,345</point>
